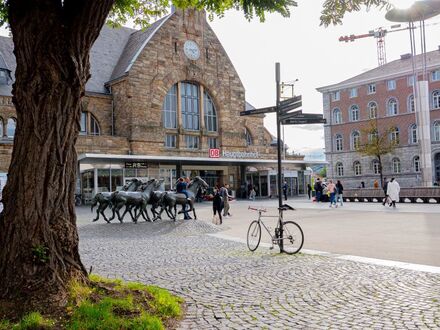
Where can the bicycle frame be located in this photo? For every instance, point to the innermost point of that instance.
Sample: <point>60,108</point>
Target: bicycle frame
<point>274,237</point>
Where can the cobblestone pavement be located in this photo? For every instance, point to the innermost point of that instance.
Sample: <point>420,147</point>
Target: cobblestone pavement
<point>228,287</point>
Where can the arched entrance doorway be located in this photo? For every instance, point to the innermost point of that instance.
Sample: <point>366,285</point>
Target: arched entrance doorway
<point>437,167</point>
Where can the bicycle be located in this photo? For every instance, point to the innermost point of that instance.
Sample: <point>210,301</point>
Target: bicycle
<point>290,238</point>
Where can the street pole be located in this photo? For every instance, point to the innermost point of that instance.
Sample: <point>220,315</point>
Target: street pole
<point>280,197</point>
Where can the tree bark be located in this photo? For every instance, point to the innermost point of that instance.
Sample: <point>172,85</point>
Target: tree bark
<point>38,236</point>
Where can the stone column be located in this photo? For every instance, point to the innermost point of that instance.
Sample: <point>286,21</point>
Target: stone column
<point>179,138</point>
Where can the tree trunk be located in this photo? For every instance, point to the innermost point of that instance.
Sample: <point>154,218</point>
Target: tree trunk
<point>380,171</point>
<point>38,236</point>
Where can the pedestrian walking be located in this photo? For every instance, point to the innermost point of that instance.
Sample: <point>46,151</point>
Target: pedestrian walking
<point>181,189</point>
<point>285,188</point>
<point>217,206</point>
<point>318,189</point>
<point>252,194</point>
<point>309,190</point>
<point>385,189</point>
<point>331,187</point>
<point>393,191</point>
<point>339,193</point>
<point>224,192</point>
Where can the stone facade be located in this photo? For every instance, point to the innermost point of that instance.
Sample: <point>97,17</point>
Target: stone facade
<point>398,71</point>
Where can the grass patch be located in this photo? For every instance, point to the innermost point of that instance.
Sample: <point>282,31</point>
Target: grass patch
<point>109,305</point>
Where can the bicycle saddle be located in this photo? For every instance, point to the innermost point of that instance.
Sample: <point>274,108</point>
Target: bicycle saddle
<point>286,207</point>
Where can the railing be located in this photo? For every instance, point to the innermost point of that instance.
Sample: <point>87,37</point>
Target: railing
<point>412,195</point>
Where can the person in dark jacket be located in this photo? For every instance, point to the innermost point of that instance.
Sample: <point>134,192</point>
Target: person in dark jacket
<point>339,192</point>
<point>309,190</point>
<point>217,205</point>
<point>385,188</point>
<point>318,189</point>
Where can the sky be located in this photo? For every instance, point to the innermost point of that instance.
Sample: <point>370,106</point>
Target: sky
<point>308,52</point>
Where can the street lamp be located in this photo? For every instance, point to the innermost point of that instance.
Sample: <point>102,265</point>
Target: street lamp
<point>420,11</point>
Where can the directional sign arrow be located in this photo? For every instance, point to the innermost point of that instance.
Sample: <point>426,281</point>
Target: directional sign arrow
<point>303,121</point>
<point>294,99</point>
<point>288,115</point>
<point>258,111</point>
<point>290,106</point>
<point>309,115</point>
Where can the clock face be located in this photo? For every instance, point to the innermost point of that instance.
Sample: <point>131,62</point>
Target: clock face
<point>191,50</point>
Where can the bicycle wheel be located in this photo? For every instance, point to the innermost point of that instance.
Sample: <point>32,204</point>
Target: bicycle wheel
<point>293,237</point>
<point>254,235</point>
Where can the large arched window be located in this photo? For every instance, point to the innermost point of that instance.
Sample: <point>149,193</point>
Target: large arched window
<point>412,134</point>
<point>392,107</point>
<point>338,142</point>
<point>89,125</point>
<point>169,108</point>
<point>248,137</point>
<point>416,164</point>
<point>210,113</point>
<point>436,131</point>
<point>376,166</point>
<point>189,94</point>
<point>394,135</point>
<point>396,165</point>
<point>436,100</point>
<point>373,135</point>
<point>355,140</point>
<point>354,113</point>
<point>10,127</point>
<point>337,116</point>
<point>357,168</point>
<point>411,105</point>
<point>372,110</point>
<point>339,169</point>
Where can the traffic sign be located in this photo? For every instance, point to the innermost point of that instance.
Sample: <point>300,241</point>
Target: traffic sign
<point>290,104</point>
<point>294,99</point>
<point>303,121</point>
<point>258,111</point>
<point>287,115</point>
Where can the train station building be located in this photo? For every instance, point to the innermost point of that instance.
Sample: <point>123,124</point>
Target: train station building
<point>164,102</point>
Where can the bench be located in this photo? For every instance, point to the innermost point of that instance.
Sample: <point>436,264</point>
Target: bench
<point>425,194</point>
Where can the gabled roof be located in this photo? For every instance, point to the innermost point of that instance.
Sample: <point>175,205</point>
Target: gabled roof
<point>136,43</point>
<point>390,70</point>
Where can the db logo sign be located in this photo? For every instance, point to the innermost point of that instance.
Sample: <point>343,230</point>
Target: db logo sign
<point>214,153</point>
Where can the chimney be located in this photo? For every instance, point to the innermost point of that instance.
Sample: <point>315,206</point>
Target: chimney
<point>405,56</point>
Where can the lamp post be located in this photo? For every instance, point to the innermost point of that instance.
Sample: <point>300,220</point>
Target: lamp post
<point>419,12</point>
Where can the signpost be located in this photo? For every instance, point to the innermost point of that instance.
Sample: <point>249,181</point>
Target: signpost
<point>285,117</point>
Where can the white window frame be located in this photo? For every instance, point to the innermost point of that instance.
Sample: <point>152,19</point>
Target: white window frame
<point>416,164</point>
<point>435,75</point>
<point>376,166</point>
<point>336,95</point>
<point>370,108</point>
<point>339,142</point>
<point>436,131</point>
<point>395,109</point>
<point>357,168</point>
<point>353,92</point>
<point>396,166</point>
<point>371,89</point>
<point>411,104</point>
<point>391,84</point>
<point>192,142</point>
<point>411,80</point>
<point>355,140</point>
<point>170,141</point>
<point>339,169</point>
<point>354,109</point>
<point>337,116</point>
<point>395,135</point>
<point>436,99</point>
<point>412,134</point>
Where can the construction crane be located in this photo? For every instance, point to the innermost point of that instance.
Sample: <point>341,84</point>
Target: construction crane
<point>379,34</point>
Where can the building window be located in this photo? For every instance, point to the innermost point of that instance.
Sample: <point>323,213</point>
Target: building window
<point>394,135</point>
<point>248,137</point>
<point>191,142</point>
<point>392,107</point>
<point>396,165</point>
<point>436,100</point>
<point>353,92</point>
<point>170,141</point>
<point>337,116</point>
<point>410,81</point>
<point>338,142</point>
<point>354,113</point>
<point>355,140</point>
<point>416,164</point>
<point>357,168</point>
<point>413,134</point>
<point>376,166</point>
<point>88,124</point>
<point>372,110</point>
<point>435,75</point>
<point>190,106</point>
<point>371,88</point>
<point>436,131</point>
<point>169,108</point>
<point>373,136</point>
<point>411,105</point>
<point>10,127</point>
<point>336,96</point>
<point>339,169</point>
<point>1,127</point>
<point>391,85</point>
<point>210,113</point>
<point>212,143</point>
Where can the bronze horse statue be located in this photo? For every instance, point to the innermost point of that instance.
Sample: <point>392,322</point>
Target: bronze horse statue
<point>104,199</point>
<point>170,200</point>
<point>132,200</point>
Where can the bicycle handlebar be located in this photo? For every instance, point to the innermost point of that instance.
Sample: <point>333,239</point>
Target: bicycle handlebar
<point>254,209</point>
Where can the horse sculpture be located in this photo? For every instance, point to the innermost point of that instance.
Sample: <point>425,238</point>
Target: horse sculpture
<point>132,200</point>
<point>104,199</point>
<point>170,200</point>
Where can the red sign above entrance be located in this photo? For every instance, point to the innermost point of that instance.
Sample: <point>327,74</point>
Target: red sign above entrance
<point>214,153</point>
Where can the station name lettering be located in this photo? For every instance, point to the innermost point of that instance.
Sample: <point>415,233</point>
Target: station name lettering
<point>240,154</point>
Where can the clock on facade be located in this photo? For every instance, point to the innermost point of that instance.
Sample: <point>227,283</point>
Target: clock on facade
<point>191,50</point>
